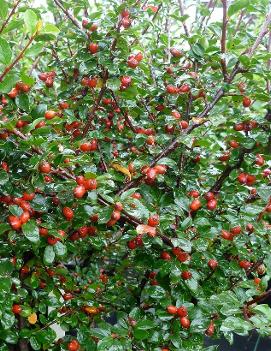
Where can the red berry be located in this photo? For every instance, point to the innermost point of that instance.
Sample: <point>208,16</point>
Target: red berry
<point>239,127</point>
<point>92,83</point>
<point>183,124</point>
<point>257,281</point>
<point>151,174</point>
<point>132,62</point>
<point>209,196</point>
<point>15,222</point>
<point>165,256</point>
<point>50,114</point>
<point>244,264</point>
<point>16,309</point>
<point>126,81</point>
<point>153,221</point>
<point>259,160</point>
<point>118,206</point>
<point>185,322</point>
<point>28,196</point>
<point>160,169</point>
<point>139,56</point>
<point>115,216</point>
<point>68,213</point>
<point>195,205</point>
<point>234,144</point>
<point>250,228</point>
<point>125,13</point>
<point>182,311</point>
<point>226,235</point>
<point>132,244</point>
<point>171,89</point>
<point>79,191</point>
<point>186,275</point>
<point>251,179</point>
<point>73,345</point>
<point>126,22</point>
<point>175,52</point>
<point>246,101</point>
<point>211,204</point>
<point>93,48</point>
<point>67,296</point>
<point>172,309</point>
<point>242,178</point>
<point>185,88</point>
<point>51,240</point>
<point>176,114</point>
<point>90,184</point>
<point>45,167</point>
<point>211,329</point>
<point>212,264</point>
<point>236,230</point>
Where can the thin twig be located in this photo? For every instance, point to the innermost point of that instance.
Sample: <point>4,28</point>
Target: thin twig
<point>148,26</point>
<point>183,21</point>
<point>68,14</point>
<point>223,41</point>
<point>16,4</point>
<point>17,59</point>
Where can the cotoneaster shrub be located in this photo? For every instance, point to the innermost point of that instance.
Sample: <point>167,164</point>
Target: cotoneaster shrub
<point>135,174</point>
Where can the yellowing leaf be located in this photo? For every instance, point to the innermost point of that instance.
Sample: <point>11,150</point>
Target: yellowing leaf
<point>100,83</point>
<point>199,120</point>
<point>121,169</point>
<point>39,26</point>
<point>91,309</point>
<point>32,318</point>
<point>146,229</point>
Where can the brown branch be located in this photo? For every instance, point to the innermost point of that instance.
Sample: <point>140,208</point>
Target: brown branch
<point>70,16</point>
<point>182,14</point>
<point>212,4</point>
<point>55,55</point>
<point>261,35</point>
<point>268,87</point>
<point>259,298</point>
<point>124,113</point>
<point>175,142</point>
<point>223,40</point>
<point>96,104</point>
<point>114,42</point>
<point>148,26</point>
<point>239,22</point>
<point>18,58</point>
<point>10,15</point>
<point>227,171</point>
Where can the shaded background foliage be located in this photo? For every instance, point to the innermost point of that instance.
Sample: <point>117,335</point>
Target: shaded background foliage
<point>135,174</point>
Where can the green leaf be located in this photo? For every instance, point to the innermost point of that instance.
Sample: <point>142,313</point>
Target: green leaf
<point>49,28</point>
<point>5,52</point>
<point>31,231</point>
<point>49,255</point>
<point>60,249</point>
<point>3,9</point>
<point>4,227</point>
<point>4,178</point>
<point>236,6</point>
<point>30,20</point>
<point>15,210</point>
<point>22,102</point>
<point>8,83</point>
<point>113,84</point>
<point>7,320</point>
<point>34,343</point>
<point>145,324</point>
<point>5,284</point>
